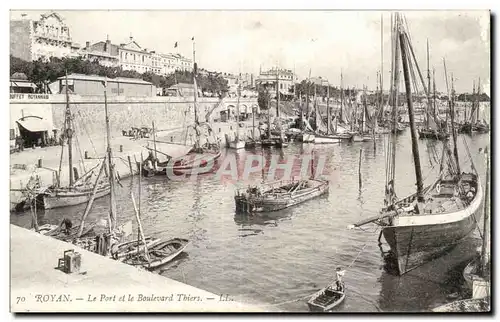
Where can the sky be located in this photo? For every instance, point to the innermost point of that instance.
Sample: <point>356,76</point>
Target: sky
<point>324,42</point>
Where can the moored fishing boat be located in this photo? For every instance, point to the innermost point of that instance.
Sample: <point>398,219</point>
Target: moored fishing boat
<point>424,225</point>
<point>159,254</point>
<point>63,197</point>
<point>77,191</point>
<point>278,195</point>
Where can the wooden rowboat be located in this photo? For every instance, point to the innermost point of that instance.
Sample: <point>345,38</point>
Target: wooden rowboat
<point>159,254</point>
<point>46,229</point>
<point>123,250</point>
<point>326,299</point>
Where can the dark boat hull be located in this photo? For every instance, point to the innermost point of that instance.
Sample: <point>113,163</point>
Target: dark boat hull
<point>254,205</point>
<point>423,134</point>
<point>413,246</point>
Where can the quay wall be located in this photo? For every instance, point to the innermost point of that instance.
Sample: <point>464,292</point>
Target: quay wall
<point>103,284</point>
<point>168,113</point>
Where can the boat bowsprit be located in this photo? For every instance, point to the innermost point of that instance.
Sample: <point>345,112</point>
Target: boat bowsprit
<point>278,195</point>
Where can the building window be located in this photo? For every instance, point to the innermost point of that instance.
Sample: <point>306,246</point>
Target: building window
<point>143,58</point>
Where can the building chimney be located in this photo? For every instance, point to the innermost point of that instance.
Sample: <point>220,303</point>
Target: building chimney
<point>107,47</point>
<point>87,45</point>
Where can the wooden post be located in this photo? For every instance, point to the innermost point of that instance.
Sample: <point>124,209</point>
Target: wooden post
<point>121,148</point>
<point>485,255</point>
<point>40,163</point>
<point>130,165</point>
<point>137,164</point>
<point>359,169</point>
<point>92,197</point>
<point>146,253</point>
<point>86,154</point>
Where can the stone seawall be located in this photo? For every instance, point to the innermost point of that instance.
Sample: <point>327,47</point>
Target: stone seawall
<point>168,113</point>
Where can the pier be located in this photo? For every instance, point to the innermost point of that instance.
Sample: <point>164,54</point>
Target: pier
<point>100,286</point>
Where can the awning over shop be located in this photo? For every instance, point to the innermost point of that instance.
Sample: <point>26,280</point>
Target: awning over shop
<point>22,84</point>
<point>35,124</point>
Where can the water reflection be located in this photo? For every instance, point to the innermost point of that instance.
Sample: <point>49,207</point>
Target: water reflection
<point>416,290</point>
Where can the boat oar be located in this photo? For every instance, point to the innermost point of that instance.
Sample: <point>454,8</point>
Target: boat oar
<point>146,252</point>
<point>92,197</point>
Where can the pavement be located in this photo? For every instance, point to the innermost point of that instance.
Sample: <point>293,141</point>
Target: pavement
<point>102,285</point>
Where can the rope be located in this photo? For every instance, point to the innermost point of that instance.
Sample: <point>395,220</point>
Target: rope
<point>81,163</point>
<point>359,253</point>
<point>87,133</point>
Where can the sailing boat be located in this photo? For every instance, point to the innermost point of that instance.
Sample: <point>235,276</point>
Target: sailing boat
<point>77,191</point>
<point>200,158</point>
<point>420,227</point>
<point>328,137</point>
<point>237,143</point>
<point>362,135</point>
<point>473,124</point>
<point>432,129</point>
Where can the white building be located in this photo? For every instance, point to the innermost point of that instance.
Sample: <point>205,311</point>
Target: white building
<point>134,57</point>
<point>284,77</point>
<point>42,37</point>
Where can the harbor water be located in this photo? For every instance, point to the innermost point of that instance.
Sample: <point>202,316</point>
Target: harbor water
<point>281,258</point>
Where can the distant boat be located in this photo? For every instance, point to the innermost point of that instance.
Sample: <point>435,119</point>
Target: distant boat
<point>361,137</point>
<point>159,254</point>
<point>433,134</point>
<point>278,195</point>
<point>327,298</point>
<point>326,139</point>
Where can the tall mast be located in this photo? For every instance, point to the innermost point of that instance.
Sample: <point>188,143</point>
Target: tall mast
<point>478,99</point>
<point>194,85</point>
<point>341,94</point>
<point>69,134</point>
<point>428,86</point>
<point>315,109</point>
<point>473,100</point>
<point>328,109</point>
<point>110,162</point>
<point>452,115</point>
<point>434,91</point>
<point>307,95</point>
<point>238,110</point>
<point>485,258</point>
<point>381,55</point>
<point>277,93</point>
<point>414,138</point>
<point>268,115</point>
